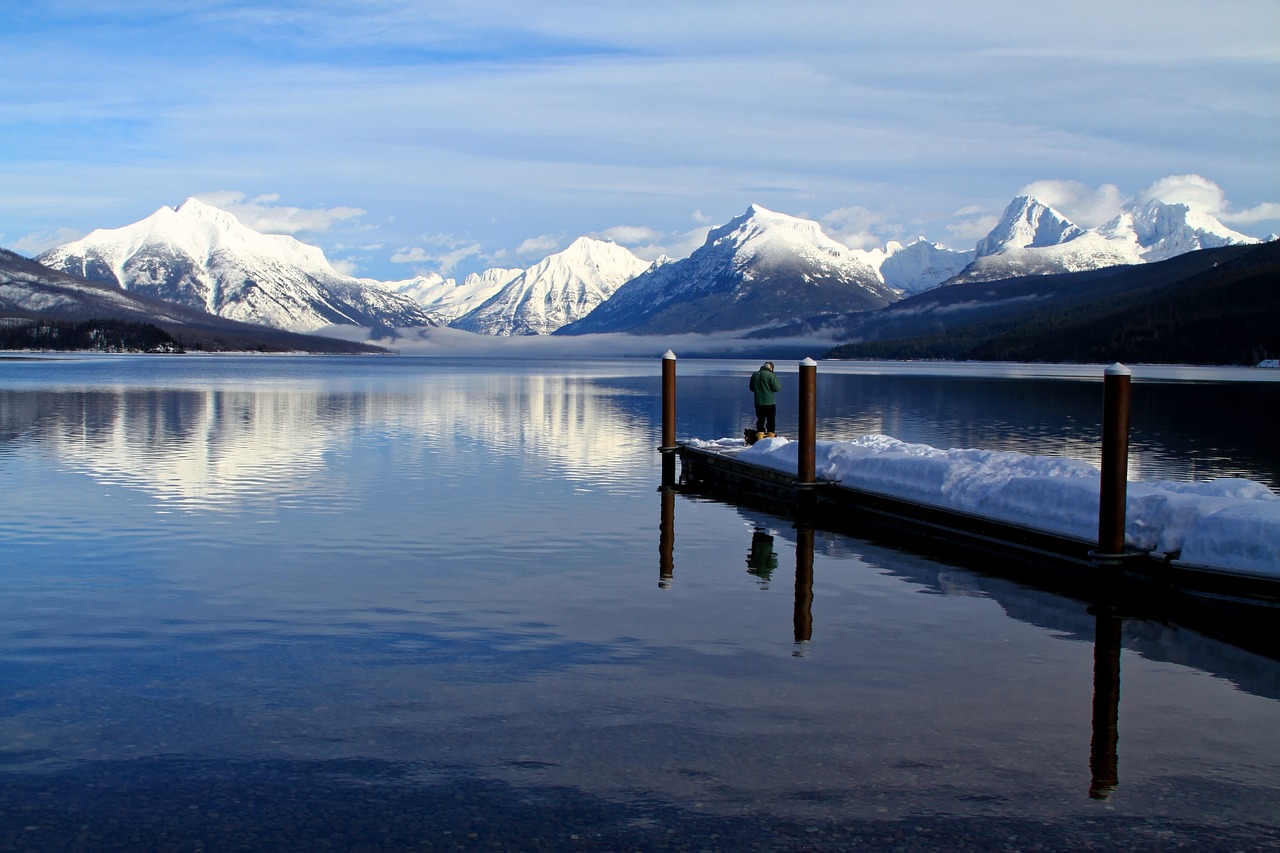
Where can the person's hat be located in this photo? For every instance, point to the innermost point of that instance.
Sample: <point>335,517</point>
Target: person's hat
<point>769,365</point>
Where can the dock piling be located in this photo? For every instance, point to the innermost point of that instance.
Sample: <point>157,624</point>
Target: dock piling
<point>1115,463</point>
<point>806,459</point>
<point>668,448</point>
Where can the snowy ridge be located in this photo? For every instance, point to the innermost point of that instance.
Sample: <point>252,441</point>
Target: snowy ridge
<point>758,268</point>
<point>444,299</point>
<point>1034,239</point>
<point>916,267</point>
<point>1156,231</point>
<point>201,256</point>
<point>1226,523</point>
<point>558,290</point>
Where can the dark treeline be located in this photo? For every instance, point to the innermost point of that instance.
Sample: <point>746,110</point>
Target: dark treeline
<point>1229,315</point>
<point>101,335</point>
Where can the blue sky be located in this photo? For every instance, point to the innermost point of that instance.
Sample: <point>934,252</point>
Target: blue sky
<point>404,137</point>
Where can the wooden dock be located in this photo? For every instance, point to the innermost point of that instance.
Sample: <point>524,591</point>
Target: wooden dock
<point>1240,607</point>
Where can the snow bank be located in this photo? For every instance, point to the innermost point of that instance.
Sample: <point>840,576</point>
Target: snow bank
<point>1224,523</point>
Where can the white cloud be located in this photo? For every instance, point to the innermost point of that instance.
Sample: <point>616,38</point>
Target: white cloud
<point>538,247</point>
<point>1203,195</point>
<point>412,255</point>
<point>1195,192</point>
<point>261,213</point>
<point>450,255</point>
<point>42,241</point>
<point>860,227</point>
<point>1084,205</point>
<point>683,244</point>
<point>630,235</point>
<point>968,232</point>
<point>1258,213</point>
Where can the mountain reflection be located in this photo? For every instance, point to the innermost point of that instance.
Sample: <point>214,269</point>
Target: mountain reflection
<point>216,448</point>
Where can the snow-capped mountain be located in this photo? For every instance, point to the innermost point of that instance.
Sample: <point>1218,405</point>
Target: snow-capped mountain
<point>444,299</point>
<point>31,291</point>
<point>1156,231</point>
<point>917,266</point>
<point>558,290</point>
<point>1034,239</point>
<point>204,257</point>
<point>1028,223</point>
<point>760,268</point>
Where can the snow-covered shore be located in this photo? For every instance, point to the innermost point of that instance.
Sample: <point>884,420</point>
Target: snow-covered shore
<point>1227,523</point>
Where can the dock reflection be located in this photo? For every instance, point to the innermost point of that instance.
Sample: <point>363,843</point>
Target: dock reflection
<point>762,561</point>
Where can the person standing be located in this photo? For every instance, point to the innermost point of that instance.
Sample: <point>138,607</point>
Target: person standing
<point>764,385</point>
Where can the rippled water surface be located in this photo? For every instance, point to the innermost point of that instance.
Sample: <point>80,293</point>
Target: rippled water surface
<point>401,603</point>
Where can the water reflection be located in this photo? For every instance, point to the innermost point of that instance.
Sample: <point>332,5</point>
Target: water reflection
<point>803,618</point>
<point>1107,630</point>
<point>218,448</point>
<point>667,538</point>
<point>1103,760</point>
<point>761,559</point>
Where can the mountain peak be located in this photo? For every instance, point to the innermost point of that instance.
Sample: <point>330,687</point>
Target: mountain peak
<point>1028,223</point>
<point>556,291</point>
<point>752,271</point>
<point>1156,230</point>
<point>202,256</point>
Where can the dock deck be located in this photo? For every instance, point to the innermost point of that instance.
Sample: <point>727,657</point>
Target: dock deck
<point>1244,603</point>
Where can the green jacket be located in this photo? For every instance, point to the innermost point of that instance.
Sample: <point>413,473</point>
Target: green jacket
<point>764,384</point>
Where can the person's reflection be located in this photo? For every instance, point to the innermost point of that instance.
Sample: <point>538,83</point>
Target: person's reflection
<point>761,559</point>
<point>1103,762</point>
<point>667,539</point>
<point>804,588</point>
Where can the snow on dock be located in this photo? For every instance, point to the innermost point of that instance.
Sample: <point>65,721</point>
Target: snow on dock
<point>1226,525</point>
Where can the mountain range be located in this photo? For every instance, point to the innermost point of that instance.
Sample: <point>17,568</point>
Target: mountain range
<point>31,293</point>
<point>762,270</point>
<point>1211,306</point>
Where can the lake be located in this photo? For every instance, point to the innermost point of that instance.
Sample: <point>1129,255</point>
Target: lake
<point>306,603</point>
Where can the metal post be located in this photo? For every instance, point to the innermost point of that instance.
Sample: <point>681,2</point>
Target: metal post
<point>668,447</point>
<point>806,461</point>
<point>1115,462</point>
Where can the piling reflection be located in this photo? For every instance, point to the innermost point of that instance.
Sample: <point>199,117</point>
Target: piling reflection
<point>1103,761</point>
<point>667,539</point>
<point>762,561</point>
<point>803,618</point>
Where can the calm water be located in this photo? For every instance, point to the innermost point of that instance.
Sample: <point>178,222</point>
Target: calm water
<point>399,603</point>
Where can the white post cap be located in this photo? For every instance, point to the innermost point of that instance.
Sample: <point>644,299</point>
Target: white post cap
<point>669,354</point>
<point>808,362</point>
<point>1118,369</point>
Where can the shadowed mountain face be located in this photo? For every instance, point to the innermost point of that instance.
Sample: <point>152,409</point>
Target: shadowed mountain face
<point>1214,306</point>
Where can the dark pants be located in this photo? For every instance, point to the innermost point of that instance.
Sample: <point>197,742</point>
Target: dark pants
<point>765,416</point>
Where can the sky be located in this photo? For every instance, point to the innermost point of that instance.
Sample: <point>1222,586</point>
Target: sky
<point>451,136</point>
